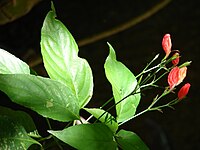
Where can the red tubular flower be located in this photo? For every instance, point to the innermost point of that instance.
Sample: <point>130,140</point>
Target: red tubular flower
<point>173,77</point>
<point>167,44</point>
<point>182,74</point>
<point>176,76</point>
<point>176,61</point>
<point>183,91</point>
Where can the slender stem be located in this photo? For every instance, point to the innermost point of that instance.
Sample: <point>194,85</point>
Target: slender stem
<point>150,69</point>
<point>68,124</point>
<point>145,69</point>
<point>132,93</point>
<point>45,138</point>
<point>60,147</point>
<point>160,77</point>
<point>157,99</point>
<point>152,75</point>
<point>101,108</point>
<point>159,107</point>
<point>150,107</point>
<point>112,107</point>
<point>107,102</point>
<point>89,118</point>
<point>142,112</point>
<point>48,123</point>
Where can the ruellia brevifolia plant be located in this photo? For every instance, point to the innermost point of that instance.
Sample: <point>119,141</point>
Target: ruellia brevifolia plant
<point>70,88</point>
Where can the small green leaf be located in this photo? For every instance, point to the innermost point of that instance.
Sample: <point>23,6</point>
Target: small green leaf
<point>123,83</point>
<point>107,118</point>
<point>13,135</point>
<point>60,56</point>
<point>9,64</point>
<point>47,97</point>
<point>20,117</point>
<point>128,140</point>
<point>87,137</point>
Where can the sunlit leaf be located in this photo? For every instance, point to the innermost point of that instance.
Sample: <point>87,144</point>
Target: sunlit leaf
<point>47,97</point>
<point>123,83</point>
<point>128,140</point>
<point>87,137</point>
<point>9,64</point>
<point>105,118</point>
<point>13,135</point>
<point>60,56</point>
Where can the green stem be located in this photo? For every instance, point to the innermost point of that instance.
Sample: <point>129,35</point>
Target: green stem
<point>140,113</point>
<point>112,107</point>
<point>68,124</point>
<point>132,93</point>
<point>101,108</point>
<point>57,143</point>
<point>45,138</point>
<point>145,69</point>
<point>107,102</point>
<point>149,108</point>
<point>48,123</point>
<point>157,99</point>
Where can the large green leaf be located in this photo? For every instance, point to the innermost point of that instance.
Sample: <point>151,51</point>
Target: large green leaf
<point>9,64</point>
<point>60,56</point>
<point>105,117</point>
<point>123,83</point>
<point>87,137</point>
<point>47,97</point>
<point>20,117</point>
<point>128,140</point>
<point>13,135</point>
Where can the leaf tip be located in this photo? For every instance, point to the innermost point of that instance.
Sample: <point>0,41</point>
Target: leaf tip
<point>50,131</point>
<point>112,51</point>
<point>52,7</point>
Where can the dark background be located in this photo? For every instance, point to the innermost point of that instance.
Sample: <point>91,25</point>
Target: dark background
<point>171,130</point>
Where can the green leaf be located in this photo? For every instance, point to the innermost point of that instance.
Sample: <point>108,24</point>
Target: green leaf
<point>87,137</point>
<point>47,97</point>
<point>13,135</point>
<point>60,56</point>
<point>128,140</point>
<point>107,118</point>
<point>9,64</point>
<point>20,117</point>
<point>123,83</point>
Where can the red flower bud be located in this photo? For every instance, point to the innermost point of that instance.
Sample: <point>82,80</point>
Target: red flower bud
<point>166,44</point>
<point>176,76</point>
<point>183,91</point>
<point>176,61</point>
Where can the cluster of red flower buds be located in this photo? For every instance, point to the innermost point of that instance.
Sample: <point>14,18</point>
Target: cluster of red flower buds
<point>177,74</point>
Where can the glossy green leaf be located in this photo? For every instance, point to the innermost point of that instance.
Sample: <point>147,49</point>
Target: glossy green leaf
<point>60,56</point>
<point>123,83</point>
<point>87,137</point>
<point>47,97</point>
<point>9,64</point>
<point>13,135</point>
<point>128,140</point>
<point>105,118</point>
<point>20,117</point>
